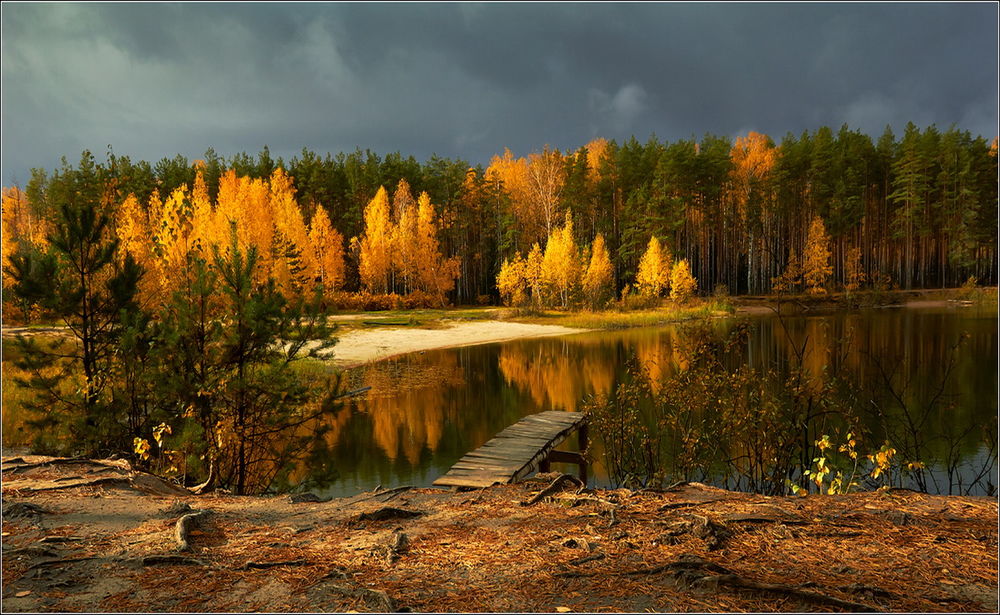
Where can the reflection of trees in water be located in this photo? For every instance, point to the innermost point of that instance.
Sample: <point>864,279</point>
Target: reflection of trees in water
<point>558,374</point>
<point>425,408</point>
<point>895,376</point>
<point>408,402</point>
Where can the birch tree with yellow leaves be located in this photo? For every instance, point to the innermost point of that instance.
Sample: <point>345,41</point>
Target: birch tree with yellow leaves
<point>327,246</point>
<point>375,256</point>
<point>816,267</point>
<point>435,273</point>
<point>598,281</point>
<point>561,265</point>
<point>653,276</point>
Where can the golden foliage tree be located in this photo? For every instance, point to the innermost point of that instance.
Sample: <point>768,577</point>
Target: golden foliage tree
<point>172,241</point>
<point>546,173</point>
<point>682,283</point>
<point>854,275</point>
<point>18,225</point>
<point>435,274</point>
<point>561,264</point>
<point>375,258</point>
<point>790,278</point>
<point>294,264</point>
<point>512,282</point>
<point>653,276</point>
<point>816,267</point>
<point>597,150</point>
<point>203,234</point>
<point>598,281</point>
<point>533,273</point>
<point>404,239</point>
<point>534,186</point>
<point>328,251</point>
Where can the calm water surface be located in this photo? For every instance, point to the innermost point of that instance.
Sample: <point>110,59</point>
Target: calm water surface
<point>424,411</point>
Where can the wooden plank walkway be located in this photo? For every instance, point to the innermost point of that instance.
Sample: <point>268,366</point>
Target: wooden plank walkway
<point>519,450</point>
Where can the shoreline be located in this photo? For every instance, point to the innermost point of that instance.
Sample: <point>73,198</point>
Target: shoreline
<point>360,346</point>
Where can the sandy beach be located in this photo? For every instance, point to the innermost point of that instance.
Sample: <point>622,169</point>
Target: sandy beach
<point>361,346</point>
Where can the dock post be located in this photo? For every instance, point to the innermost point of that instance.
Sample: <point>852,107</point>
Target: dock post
<point>584,443</point>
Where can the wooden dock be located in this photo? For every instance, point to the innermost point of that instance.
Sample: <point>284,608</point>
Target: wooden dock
<point>523,448</point>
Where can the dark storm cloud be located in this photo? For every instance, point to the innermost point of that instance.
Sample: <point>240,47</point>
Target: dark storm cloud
<point>465,81</point>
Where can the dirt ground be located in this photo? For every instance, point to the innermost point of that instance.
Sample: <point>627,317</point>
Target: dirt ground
<point>93,536</point>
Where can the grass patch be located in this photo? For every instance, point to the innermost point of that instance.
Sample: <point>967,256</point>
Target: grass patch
<point>615,319</point>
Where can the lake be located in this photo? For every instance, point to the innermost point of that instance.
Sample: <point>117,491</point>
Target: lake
<point>928,374</point>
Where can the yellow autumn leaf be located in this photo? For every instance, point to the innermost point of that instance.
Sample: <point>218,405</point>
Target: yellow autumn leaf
<point>563,609</point>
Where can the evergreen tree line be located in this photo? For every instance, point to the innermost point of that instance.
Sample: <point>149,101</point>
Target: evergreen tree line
<point>918,211</point>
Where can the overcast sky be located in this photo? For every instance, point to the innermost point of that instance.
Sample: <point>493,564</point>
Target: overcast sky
<point>467,80</point>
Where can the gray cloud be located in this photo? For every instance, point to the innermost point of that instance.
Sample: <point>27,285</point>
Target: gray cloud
<point>467,80</point>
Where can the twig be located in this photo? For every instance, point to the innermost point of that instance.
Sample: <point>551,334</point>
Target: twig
<point>593,557</point>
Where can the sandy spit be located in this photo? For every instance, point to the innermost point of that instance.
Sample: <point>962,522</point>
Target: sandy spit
<point>364,345</point>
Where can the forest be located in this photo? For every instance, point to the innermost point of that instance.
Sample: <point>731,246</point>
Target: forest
<point>192,288</point>
<point>913,212</point>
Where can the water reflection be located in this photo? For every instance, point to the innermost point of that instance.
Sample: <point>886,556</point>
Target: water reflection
<point>426,410</point>
<point>936,403</point>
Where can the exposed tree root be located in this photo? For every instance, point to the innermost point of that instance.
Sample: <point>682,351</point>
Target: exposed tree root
<point>56,562</point>
<point>183,528</point>
<point>154,560</point>
<point>692,571</point>
<point>209,483</point>
<point>262,565</point>
<point>554,486</point>
<point>108,481</point>
<point>377,600</point>
<point>388,512</point>
<point>388,492</point>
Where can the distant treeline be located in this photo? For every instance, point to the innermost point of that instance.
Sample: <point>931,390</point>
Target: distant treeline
<point>921,211</point>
